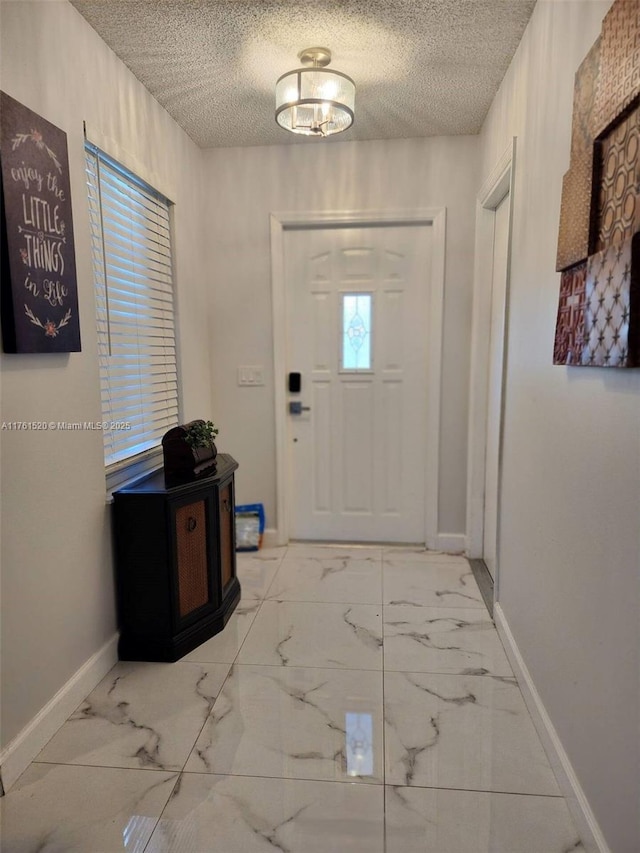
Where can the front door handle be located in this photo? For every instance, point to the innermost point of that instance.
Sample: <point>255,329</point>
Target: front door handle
<point>296,407</point>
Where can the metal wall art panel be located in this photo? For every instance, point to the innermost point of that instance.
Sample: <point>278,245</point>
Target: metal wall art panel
<point>619,171</point>
<point>619,77</point>
<point>598,321</point>
<point>612,307</point>
<point>570,328</point>
<point>575,212</point>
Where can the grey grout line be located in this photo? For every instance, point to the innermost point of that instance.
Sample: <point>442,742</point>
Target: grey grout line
<point>347,781</point>
<point>476,791</point>
<point>164,808</point>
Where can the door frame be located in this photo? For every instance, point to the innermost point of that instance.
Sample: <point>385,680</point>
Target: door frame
<point>283,221</point>
<point>499,182</point>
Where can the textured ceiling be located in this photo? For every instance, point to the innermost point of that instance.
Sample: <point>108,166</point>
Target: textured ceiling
<point>421,67</point>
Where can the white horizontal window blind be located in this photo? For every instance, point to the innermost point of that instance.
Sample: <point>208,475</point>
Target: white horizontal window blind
<point>131,244</point>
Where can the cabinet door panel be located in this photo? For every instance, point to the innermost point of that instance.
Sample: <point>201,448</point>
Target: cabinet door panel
<point>191,546</point>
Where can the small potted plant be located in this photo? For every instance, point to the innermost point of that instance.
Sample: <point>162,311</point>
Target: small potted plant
<point>189,451</point>
<point>200,434</point>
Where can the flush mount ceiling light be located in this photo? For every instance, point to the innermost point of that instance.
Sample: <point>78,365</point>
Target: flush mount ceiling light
<point>313,100</point>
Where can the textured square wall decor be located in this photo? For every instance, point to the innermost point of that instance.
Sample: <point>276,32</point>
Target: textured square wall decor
<point>575,212</point>
<point>612,307</point>
<point>570,327</point>
<point>39,293</point>
<point>598,322</point>
<point>619,76</point>
<point>619,171</point>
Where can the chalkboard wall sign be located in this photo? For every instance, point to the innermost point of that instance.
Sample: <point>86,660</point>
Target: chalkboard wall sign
<point>39,291</point>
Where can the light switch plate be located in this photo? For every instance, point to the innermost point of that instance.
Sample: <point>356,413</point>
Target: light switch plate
<point>251,374</point>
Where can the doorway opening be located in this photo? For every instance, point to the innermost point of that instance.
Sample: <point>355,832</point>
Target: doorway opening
<point>489,364</point>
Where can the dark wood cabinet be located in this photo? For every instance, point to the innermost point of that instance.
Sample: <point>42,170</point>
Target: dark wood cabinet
<point>175,563</point>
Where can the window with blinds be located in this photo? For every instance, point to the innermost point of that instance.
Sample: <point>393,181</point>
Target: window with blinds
<point>131,246</point>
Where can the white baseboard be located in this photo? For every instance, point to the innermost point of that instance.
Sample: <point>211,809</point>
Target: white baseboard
<point>584,819</point>
<point>455,543</point>
<point>270,538</point>
<point>17,755</point>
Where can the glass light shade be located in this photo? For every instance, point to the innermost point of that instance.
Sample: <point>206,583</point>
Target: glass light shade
<point>315,101</point>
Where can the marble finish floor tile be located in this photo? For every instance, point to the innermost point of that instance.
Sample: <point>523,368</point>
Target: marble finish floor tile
<point>420,820</point>
<point>354,688</point>
<point>54,808</point>
<point>446,640</point>
<point>356,579</point>
<point>141,715</point>
<point>224,647</point>
<point>411,554</point>
<point>245,815</point>
<point>475,733</point>
<point>430,583</point>
<point>286,722</point>
<point>340,636</point>
<point>333,551</point>
<point>256,570</point>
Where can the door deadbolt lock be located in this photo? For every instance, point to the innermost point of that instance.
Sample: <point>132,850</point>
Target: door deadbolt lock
<point>296,407</point>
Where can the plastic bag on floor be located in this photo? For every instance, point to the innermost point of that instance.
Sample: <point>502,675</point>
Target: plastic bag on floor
<point>249,527</point>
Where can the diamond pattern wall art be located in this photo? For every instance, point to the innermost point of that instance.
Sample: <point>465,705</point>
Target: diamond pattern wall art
<point>598,321</point>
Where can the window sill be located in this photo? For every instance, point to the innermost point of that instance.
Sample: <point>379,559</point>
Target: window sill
<point>123,473</point>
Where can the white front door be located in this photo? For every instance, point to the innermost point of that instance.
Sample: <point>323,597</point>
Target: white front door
<point>357,333</point>
<point>494,395</point>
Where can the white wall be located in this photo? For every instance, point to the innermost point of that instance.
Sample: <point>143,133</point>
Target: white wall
<point>570,527</point>
<point>246,185</point>
<point>57,576</point>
